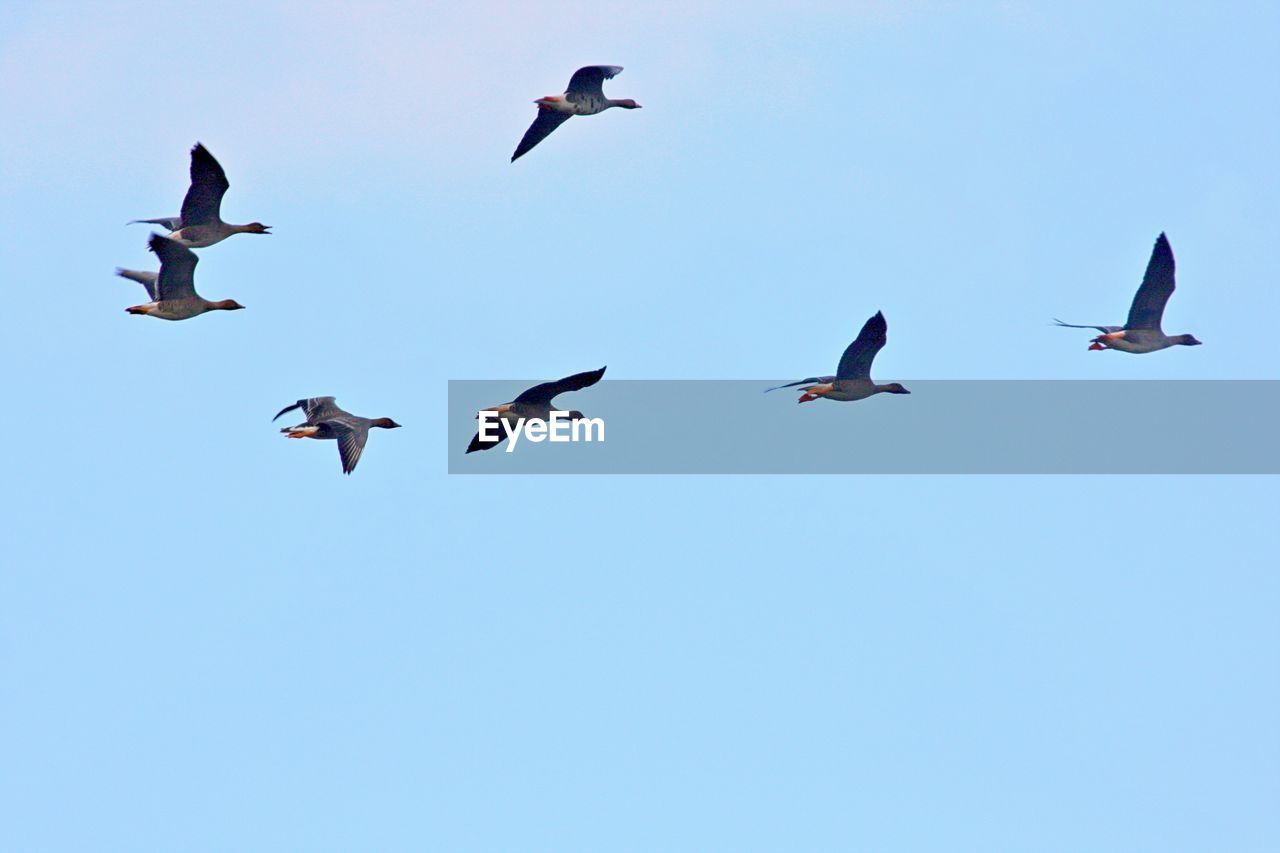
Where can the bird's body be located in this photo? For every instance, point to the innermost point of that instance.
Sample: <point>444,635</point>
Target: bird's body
<point>844,390</point>
<point>1142,332</point>
<point>202,236</point>
<point>173,310</point>
<point>587,104</point>
<point>583,97</point>
<point>172,290</point>
<point>1136,340</point>
<point>534,404</point>
<point>853,375</point>
<point>326,421</point>
<point>200,223</point>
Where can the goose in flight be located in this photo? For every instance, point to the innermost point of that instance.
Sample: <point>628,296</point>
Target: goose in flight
<point>584,97</point>
<point>1141,331</point>
<point>535,403</point>
<point>853,375</point>
<point>173,289</point>
<point>200,223</point>
<point>326,420</point>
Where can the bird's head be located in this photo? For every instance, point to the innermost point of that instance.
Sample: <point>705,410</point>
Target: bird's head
<point>228,305</point>
<point>1189,340</point>
<point>627,104</point>
<point>257,228</point>
<point>896,388</point>
<point>385,423</point>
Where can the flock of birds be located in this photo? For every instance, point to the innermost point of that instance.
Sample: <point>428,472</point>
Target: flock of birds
<point>199,225</point>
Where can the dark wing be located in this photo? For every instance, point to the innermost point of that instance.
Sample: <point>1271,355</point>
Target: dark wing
<point>177,268</point>
<point>351,439</point>
<point>547,121</point>
<point>1103,329</point>
<point>547,391</point>
<point>145,278</point>
<point>478,444</point>
<point>810,380</point>
<point>1157,287</point>
<point>590,80</point>
<point>173,223</point>
<point>857,358</point>
<point>315,408</point>
<point>321,408</point>
<point>208,183</point>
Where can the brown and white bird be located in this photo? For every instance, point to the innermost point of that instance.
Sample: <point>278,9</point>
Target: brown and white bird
<point>200,223</point>
<point>534,404</point>
<point>326,421</point>
<point>584,97</point>
<point>173,289</point>
<point>853,374</point>
<point>1141,332</point>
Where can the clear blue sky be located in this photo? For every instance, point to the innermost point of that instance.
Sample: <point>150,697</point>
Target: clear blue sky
<point>211,640</point>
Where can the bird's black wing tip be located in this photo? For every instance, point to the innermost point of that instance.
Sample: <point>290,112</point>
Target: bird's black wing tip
<point>286,409</point>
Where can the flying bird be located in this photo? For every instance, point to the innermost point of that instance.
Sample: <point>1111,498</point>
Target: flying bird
<point>853,374</point>
<point>584,97</point>
<point>173,289</point>
<point>535,403</point>
<point>1141,332</point>
<point>200,223</point>
<point>326,420</point>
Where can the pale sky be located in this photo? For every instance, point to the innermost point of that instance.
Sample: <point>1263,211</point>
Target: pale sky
<point>212,640</point>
